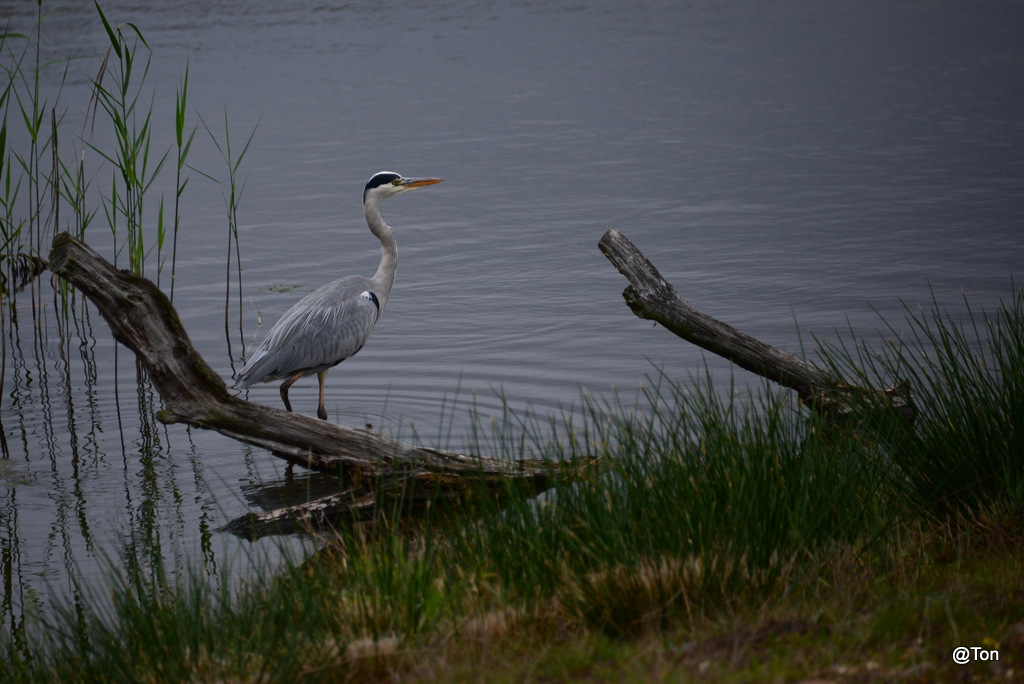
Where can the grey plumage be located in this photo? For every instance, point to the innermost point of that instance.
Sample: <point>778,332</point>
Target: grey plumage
<point>334,322</point>
<point>323,329</point>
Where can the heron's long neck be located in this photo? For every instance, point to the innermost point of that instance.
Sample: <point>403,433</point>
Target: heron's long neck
<point>385,275</point>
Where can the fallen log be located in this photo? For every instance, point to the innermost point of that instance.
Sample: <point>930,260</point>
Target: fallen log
<point>373,469</point>
<point>651,297</point>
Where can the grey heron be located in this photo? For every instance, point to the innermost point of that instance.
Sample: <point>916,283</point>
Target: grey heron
<point>334,322</point>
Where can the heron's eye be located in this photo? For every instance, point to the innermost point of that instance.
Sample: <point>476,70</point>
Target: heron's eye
<point>397,181</point>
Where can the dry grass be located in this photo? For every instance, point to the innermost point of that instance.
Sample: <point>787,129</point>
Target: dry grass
<point>890,613</point>
<point>893,614</point>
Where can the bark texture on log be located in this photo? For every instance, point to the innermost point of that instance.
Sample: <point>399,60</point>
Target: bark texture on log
<point>143,319</point>
<point>651,297</point>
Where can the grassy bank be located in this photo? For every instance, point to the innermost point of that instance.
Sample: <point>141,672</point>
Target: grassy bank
<point>713,538</point>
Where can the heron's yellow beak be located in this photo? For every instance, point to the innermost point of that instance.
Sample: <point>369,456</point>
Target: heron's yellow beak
<point>419,182</point>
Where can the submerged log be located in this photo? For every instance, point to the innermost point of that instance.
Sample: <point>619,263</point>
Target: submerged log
<point>373,468</point>
<point>651,297</point>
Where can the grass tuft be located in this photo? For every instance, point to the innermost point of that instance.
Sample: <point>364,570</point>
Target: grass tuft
<point>967,373</point>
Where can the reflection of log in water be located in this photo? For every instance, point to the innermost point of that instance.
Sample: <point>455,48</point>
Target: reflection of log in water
<point>374,470</point>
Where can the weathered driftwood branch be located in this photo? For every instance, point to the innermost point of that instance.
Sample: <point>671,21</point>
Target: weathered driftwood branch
<point>142,318</point>
<point>651,297</point>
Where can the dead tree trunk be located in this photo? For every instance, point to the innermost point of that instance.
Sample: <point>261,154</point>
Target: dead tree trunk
<point>372,467</point>
<point>651,297</point>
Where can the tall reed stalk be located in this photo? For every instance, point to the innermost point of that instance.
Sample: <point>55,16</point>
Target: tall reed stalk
<point>32,199</point>
<point>134,170</point>
<point>184,144</point>
<point>232,198</point>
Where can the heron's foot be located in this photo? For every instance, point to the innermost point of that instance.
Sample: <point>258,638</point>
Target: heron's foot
<point>321,413</point>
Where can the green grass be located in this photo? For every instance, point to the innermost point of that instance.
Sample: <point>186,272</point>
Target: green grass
<point>968,376</point>
<point>96,163</point>
<point>736,539</point>
<point>63,166</point>
<point>47,185</point>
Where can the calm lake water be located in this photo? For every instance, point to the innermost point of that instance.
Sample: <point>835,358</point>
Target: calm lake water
<point>792,167</point>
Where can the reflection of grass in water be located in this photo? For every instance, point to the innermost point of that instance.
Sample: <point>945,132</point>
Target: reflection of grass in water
<point>727,535</point>
<point>69,166</point>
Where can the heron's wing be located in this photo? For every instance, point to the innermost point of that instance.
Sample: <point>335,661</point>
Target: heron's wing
<point>320,331</point>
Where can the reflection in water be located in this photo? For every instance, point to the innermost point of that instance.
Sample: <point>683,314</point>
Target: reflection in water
<point>293,489</point>
<point>98,474</point>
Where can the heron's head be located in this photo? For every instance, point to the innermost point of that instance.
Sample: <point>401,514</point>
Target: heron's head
<point>384,184</point>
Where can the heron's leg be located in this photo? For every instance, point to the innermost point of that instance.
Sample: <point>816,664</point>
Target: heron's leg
<point>284,390</point>
<point>321,412</point>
